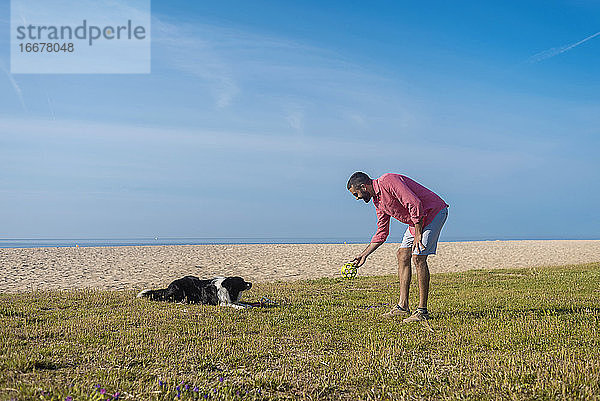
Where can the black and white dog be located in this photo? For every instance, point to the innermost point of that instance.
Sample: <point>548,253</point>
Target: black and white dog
<point>224,291</point>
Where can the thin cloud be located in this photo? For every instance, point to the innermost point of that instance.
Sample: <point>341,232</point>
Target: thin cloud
<point>15,86</point>
<point>190,53</point>
<point>296,120</point>
<point>228,60</point>
<point>50,106</point>
<point>319,148</point>
<point>555,51</point>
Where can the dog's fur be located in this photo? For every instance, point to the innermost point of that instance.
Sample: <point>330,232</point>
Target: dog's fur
<point>224,291</point>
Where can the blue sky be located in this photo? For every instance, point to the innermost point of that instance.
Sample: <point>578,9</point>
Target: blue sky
<point>256,113</point>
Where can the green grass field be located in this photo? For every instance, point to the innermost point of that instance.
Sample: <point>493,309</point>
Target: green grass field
<point>503,334</point>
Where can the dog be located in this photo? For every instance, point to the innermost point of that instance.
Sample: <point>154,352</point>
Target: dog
<point>223,291</point>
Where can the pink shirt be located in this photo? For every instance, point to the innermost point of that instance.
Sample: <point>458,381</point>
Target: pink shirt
<point>406,200</point>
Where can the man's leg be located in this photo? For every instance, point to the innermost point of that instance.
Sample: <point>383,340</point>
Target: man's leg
<point>422,269</point>
<point>430,238</point>
<point>404,275</point>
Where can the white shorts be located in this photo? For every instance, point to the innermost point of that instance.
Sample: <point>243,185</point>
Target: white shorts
<point>430,236</point>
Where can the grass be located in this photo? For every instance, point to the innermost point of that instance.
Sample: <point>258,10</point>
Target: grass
<point>502,334</point>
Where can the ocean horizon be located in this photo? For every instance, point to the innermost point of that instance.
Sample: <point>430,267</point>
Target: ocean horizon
<point>158,241</point>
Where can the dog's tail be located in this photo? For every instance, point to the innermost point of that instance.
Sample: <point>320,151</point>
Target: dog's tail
<point>155,295</point>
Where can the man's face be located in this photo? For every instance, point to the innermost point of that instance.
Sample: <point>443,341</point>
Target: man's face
<point>360,192</point>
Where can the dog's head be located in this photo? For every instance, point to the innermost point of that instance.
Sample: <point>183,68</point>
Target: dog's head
<point>235,286</point>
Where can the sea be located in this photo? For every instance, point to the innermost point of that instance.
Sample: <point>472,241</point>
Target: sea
<point>103,242</point>
<point>149,241</point>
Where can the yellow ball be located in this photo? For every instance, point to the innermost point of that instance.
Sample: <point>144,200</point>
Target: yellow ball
<point>349,270</point>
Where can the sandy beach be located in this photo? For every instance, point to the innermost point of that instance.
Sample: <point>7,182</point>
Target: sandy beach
<point>27,269</point>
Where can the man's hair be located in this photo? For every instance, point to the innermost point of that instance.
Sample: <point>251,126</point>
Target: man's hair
<point>357,179</point>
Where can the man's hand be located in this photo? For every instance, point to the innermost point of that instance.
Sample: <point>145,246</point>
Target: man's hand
<point>417,244</point>
<point>359,260</point>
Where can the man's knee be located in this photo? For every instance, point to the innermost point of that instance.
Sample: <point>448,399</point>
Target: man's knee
<point>404,255</point>
<point>420,261</point>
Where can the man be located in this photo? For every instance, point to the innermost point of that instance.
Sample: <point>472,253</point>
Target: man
<point>398,196</point>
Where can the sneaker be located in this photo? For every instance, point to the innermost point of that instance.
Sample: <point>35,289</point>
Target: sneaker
<point>418,316</point>
<point>397,311</point>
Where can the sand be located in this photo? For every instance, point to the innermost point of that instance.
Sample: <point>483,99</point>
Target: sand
<point>137,267</point>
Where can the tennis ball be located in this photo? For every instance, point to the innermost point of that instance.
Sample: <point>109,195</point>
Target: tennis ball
<point>349,270</point>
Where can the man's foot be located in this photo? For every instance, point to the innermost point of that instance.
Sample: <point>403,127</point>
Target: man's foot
<point>418,316</point>
<point>397,311</point>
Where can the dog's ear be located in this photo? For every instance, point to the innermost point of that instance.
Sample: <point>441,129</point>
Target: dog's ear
<point>234,286</point>
<point>235,283</point>
<point>230,283</point>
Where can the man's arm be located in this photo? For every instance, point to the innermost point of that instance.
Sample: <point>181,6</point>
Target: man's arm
<point>362,257</point>
<point>383,227</point>
<point>418,236</point>
<point>383,230</point>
